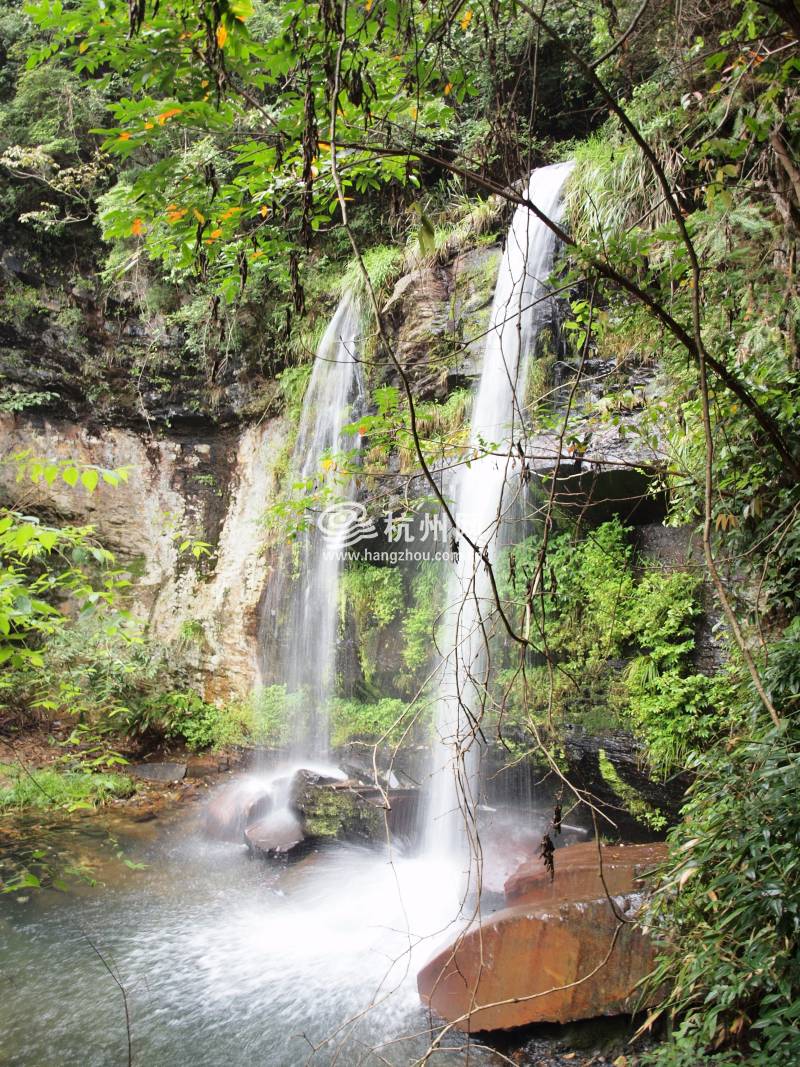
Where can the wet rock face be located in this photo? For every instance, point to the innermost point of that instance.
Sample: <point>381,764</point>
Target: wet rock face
<point>558,953</point>
<point>438,315</point>
<point>624,752</point>
<point>89,355</point>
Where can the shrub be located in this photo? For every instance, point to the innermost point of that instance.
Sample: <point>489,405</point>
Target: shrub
<point>59,789</point>
<point>727,914</point>
<point>386,718</point>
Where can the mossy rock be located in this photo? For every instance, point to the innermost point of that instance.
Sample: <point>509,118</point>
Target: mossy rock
<point>335,811</point>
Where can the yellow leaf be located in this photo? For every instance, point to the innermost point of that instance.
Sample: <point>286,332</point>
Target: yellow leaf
<point>200,218</point>
<point>448,88</point>
<point>82,47</point>
<point>465,21</point>
<point>162,118</point>
<point>264,211</point>
<point>686,875</point>
<point>148,126</point>
<point>222,35</point>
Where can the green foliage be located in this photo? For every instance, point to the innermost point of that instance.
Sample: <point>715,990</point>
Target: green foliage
<point>188,717</point>
<point>441,429</point>
<point>386,719</point>
<point>540,381</point>
<point>461,223</point>
<point>596,610</point>
<point>676,713</point>
<point>371,598</point>
<point>71,790</point>
<point>41,566</point>
<point>419,623</point>
<point>675,710</point>
<point>374,595</point>
<point>278,55</point>
<point>383,264</point>
<point>293,383</point>
<point>727,914</point>
<point>271,711</point>
<point>591,582</point>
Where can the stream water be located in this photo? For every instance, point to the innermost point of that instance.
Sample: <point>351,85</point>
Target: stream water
<point>225,959</point>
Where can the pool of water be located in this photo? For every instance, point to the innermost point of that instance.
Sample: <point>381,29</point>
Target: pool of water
<point>228,960</point>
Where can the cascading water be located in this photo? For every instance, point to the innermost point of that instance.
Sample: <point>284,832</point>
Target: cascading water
<point>300,622</point>
<point>485,495</point>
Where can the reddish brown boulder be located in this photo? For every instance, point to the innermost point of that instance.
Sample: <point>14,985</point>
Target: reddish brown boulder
<point>577,873</point>
<point>555,956</point>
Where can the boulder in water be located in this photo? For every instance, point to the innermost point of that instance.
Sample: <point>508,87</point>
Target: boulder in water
<point>275,835</point>
<point>332,809</point>
<point>231,809</point>
<point>559,953</point>
<point>315,806</point>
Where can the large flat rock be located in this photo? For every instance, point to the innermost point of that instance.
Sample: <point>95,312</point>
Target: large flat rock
<point>558,953</point>
<point>529,964</point>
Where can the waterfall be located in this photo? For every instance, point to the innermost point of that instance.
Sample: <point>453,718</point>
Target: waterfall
<point>299,625</point>
<point>484,496</point>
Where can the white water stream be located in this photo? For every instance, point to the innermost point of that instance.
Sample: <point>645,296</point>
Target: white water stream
<point>485,495</point>
<point>300,622</point>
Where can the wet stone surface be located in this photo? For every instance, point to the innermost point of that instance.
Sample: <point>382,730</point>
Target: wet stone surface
<point>158,772</point>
